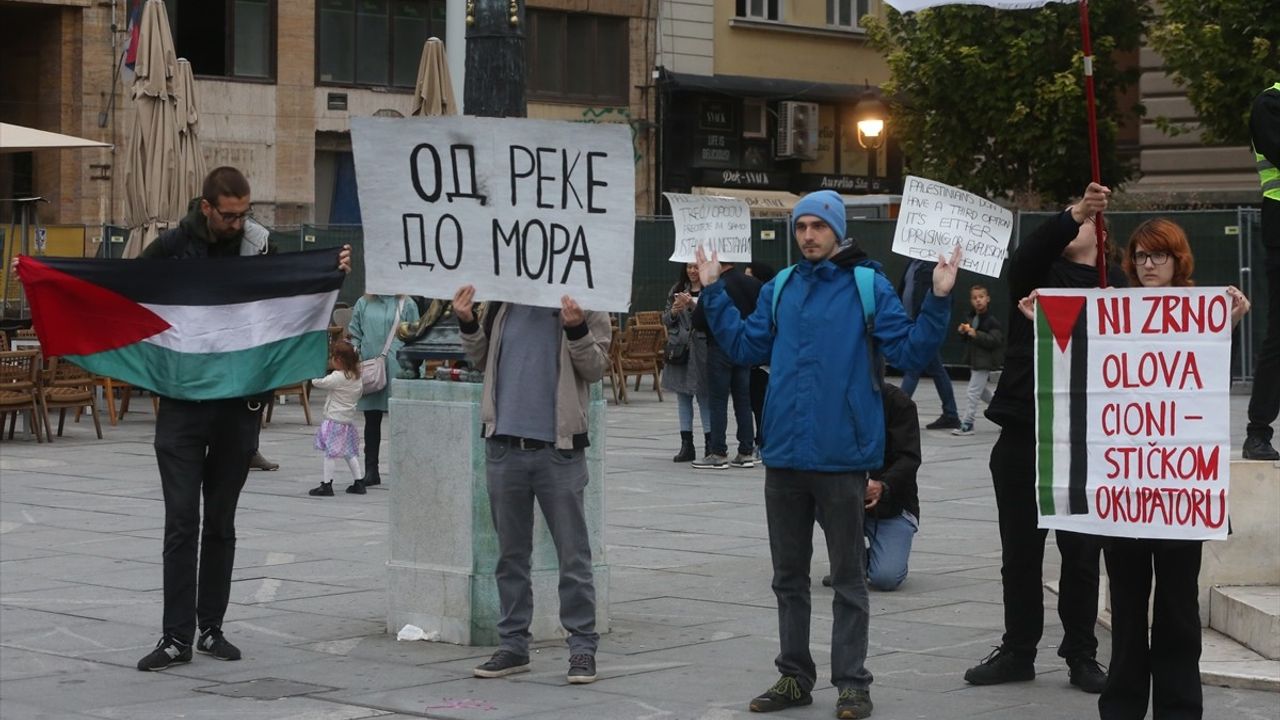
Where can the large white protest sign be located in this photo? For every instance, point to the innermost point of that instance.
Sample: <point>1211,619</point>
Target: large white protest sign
<point>1133,411</point>
<point>935,217</point>
<point>716,223</point>
<point>525,210</point>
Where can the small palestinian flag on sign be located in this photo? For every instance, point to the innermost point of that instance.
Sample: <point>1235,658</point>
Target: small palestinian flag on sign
<point>206,329</point>
<point>1062,404</point>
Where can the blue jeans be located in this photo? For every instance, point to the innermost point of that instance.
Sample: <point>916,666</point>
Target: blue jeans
<point>888,548</point>
<point>684,405</point>
<point>723,380</point>
<point>941,381</point>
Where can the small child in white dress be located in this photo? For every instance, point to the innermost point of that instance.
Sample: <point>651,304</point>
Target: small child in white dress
<point>337,436</point>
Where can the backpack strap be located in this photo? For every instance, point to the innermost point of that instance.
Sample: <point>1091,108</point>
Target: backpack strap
<point>863,277</point>
<point>779,281</point>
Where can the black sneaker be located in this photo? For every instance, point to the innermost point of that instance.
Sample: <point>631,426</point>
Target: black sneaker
<point>582,669</point>
<point>357,488</point>
<point>854,704</point>
<point>784,694</point>
<point>324,490</point>
<point>503,663</point>
<point>1001,666</point>
<point>213,644</point>
<point>946,422</point>
<point>743,461</point>
<point>1087,674</point>
<point>168,652</point>
<point>1256,448</point>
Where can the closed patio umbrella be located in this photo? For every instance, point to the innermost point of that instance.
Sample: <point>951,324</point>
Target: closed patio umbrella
<point>433,93</point>
<point>191,165</point>
<point>152,160</point>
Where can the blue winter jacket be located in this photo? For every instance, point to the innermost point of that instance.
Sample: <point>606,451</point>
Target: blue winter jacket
<point>823,410</point>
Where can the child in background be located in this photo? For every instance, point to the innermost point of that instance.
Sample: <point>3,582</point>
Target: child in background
<point>984,352</point>
<point>337,436</point>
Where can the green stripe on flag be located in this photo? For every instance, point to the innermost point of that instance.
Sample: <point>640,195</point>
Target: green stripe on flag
<point>213,376</point>
<point>1044,409</point>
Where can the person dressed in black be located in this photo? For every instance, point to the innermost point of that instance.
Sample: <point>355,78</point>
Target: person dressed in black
<point>203,449</point>
<point>1264,402</point>
<point>763,272</point>
<point>726,380</point>
<point>1062,253</point>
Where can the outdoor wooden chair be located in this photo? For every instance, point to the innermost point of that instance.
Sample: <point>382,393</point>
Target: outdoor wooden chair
<point>645,318</point>
<point>4,341</point>
<point>66,387</point>
<point>19,383</point>
<point>617,380</point>
<point>641,354</point>
<point>109,388</point>
<point>302,390</point>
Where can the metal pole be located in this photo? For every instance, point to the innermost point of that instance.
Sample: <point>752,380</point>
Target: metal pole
<point>495,67</point>
<point>1095,165</point>
<point>455,43</point>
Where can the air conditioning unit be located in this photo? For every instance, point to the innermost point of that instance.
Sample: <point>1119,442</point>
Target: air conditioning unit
<point>798,130</point>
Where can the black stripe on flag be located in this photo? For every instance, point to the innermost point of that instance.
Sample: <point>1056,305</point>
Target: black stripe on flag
<point>1078,418</point>
<point>210,281</point>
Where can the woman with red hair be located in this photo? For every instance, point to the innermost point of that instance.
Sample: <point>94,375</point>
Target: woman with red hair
<point>1166,669</point>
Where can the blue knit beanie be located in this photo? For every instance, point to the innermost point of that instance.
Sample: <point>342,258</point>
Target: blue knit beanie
<point>825,204</point>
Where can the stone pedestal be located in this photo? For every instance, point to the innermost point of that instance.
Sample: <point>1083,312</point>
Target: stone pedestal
<point>443,546</point>
<point>1248,556</point>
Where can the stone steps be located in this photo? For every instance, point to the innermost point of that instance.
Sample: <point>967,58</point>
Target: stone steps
<point>1249,615</point>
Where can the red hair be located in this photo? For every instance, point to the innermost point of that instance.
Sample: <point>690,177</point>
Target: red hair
<point>1160,235</point>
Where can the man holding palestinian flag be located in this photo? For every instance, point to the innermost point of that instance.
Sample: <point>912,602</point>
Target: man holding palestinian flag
<point>213,337</point>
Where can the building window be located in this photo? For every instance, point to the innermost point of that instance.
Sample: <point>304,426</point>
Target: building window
<point>577,58</point>
<point>247,50</point>
<point>374,42</point>
<point>760,9</point>
<point>846,13</point>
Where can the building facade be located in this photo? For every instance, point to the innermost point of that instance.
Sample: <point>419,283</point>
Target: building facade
<point>277,83</point>
<point>758,99</point>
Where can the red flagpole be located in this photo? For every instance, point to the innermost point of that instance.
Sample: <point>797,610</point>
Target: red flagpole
<point>1099,224</point>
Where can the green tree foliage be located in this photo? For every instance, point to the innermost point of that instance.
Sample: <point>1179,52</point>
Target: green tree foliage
<point>1223,52</point>
<point>993,100</point>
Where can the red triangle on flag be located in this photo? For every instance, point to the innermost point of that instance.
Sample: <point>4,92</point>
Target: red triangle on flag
<point>76,317</point>
<point>1061,311</point>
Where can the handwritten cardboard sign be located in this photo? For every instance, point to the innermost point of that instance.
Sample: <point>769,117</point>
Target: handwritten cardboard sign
<point>525,210</point>
<point>716,223</point>
<point>1133,411</point>
<point>935,217</point>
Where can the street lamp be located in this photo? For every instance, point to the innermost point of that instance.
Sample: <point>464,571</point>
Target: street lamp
<point>869,116</point>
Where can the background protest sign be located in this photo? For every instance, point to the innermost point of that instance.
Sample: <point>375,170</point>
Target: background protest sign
<point>1132,411</point>
<point>716,223</point>
<point>525,210</point>
<point>935,218</point>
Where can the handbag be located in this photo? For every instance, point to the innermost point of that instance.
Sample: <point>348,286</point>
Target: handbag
<point>373,372</point>
<point>677,349</point>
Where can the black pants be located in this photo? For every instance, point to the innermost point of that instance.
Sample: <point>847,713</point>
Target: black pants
<point>1167,669</point>
<point>1013,472</point>
<point>791,498</point>
<point>724,381</point>
<point>372,440</point>
<point>1264,403</point>
<point>759,387</point>
<point>203,450</point>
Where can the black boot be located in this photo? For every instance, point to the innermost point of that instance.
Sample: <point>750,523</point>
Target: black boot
<point>686,453</point>
<point>325,490</point>
<point>371,476</point>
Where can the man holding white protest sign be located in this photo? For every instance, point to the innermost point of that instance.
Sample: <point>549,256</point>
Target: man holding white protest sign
<point>1060,253</point>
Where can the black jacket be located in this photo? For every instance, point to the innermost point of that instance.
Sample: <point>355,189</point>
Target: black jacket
<point>191,239</point>
<point>901,456</point>
<point>985,350</point>
<point>1264,128</point>
<point>1037,263</point>
<point>743,289</point>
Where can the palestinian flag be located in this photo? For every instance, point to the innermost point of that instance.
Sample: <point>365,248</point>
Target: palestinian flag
<point>1062,404</point>
<point>198,329</point>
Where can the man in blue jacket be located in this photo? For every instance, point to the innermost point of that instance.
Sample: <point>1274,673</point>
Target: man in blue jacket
<point>823,430</point>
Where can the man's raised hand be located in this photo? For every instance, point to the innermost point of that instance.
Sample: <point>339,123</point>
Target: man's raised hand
<point>462,303</point>
<point>708,268</point>
<point>944,273</point>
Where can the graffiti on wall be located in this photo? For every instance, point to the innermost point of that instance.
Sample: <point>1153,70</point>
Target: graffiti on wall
<point>613,115</point>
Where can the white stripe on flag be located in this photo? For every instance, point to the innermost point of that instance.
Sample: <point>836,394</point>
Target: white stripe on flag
<point>1062,428</point>
<point>241,326</point>
<point>906,6</point>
